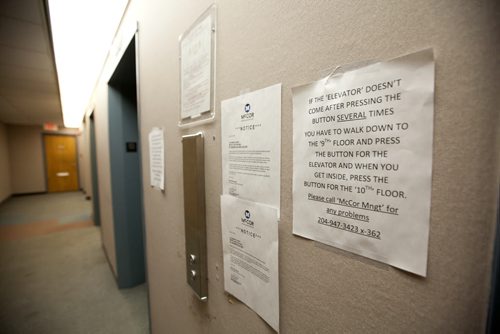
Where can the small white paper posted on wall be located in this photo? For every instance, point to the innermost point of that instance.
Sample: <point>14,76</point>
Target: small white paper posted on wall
<point>156,158</point>
<point>250,248</point>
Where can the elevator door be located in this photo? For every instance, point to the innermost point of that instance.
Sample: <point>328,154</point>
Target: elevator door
<point>125,164</point>
<point>61,163</point>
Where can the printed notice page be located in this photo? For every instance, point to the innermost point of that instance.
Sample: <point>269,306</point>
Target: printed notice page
<point>156,158</point>
<point>251,146</point>
<point>196,69</point>
<point>250,247</point>
<point>362,160</point>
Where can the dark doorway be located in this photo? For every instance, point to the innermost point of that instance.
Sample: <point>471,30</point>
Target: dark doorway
<point>493,325</point>
<point>125,159</point>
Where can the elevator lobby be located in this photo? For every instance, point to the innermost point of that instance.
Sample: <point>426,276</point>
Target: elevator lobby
<point>230,166</point>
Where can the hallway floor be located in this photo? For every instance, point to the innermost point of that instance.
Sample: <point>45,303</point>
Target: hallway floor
<point>60,282</point>
<point>27,216</point>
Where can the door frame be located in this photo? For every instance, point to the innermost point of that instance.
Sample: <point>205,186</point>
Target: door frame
<point>94,168</point>
<point>130,32</point>
<point>493,321</point>
<point>131,270</point>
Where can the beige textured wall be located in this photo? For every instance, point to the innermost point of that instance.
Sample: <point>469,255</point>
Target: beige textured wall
<point>324,291</point>
<point>5,186</point>
<point>26,159</point>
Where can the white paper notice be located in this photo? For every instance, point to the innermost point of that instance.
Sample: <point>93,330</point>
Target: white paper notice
<point>362,144</point>
<point>251,146</point>
<point>250,247</point>
<point>196,69</point>
<point>156,158</point>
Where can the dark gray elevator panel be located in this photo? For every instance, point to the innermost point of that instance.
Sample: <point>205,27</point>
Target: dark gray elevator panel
<point>194,214</point>
<point>125,165</point>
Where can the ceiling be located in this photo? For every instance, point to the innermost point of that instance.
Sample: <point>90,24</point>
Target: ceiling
<point>29,91</point>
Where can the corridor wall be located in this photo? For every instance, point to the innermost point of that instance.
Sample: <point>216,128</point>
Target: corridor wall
<point>27,169</point>
<point>26,157</point>
<point>5,187</point>
<point>322,290</point>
